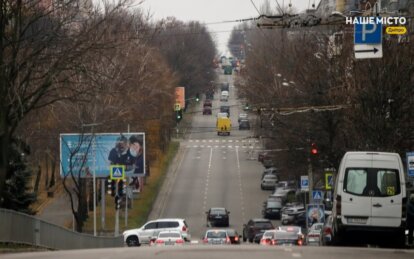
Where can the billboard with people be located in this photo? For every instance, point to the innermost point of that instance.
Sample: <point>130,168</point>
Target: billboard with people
<point>83,154</point>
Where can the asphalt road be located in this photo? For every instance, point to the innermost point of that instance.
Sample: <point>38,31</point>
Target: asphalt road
<point>215,171</point>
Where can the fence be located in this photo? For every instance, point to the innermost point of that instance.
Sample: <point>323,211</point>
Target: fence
<point>20,228</point>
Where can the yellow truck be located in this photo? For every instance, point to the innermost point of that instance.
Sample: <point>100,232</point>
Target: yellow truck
<point>223,126</point>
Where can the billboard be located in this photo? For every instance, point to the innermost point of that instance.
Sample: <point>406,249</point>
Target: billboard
<point>315,213</point>
<point>180,96</point>
<point>82,154</point>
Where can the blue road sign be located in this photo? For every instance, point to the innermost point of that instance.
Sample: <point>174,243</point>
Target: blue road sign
<point>304,182</point>
<point>117,172</point>
<point>410,164</point>
<point>317,195</point>
<point>368,33</point>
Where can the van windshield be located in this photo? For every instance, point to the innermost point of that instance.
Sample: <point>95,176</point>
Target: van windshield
<point>372,182</point>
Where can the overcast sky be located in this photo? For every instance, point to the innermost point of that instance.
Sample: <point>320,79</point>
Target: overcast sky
<point>209,11</point>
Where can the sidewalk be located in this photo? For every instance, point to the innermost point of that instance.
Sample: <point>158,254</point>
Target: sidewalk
<point>57,210</point>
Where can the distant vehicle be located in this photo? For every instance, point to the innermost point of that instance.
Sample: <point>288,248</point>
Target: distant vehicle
<point>258,237</point>
<point>242,116</point>
<point>314,234</point>
<point>293,214</point>
<point>207,103</point>
<point>267,238</point>
<point>225,108</point>
<point>168,238</point>
<point>370,195</point>
<point>151,229</point>
<point>216,237</point>
<point>222,115</point>
<point>223,126</point>
<point>244,125</point>
<point>293,229</point>
<point>327,232</point>
<point>271,170</point>
<point>218,217</point>
<point>224,96</point>
<point>254,227</point>
<point>234,236</point>
<point>269,182</point>
<point>228,70</point>
<point>268,162</point>
<point>225,87</point>
<point>207,110</point>
<point>282,238</point>
<point>272,209</point>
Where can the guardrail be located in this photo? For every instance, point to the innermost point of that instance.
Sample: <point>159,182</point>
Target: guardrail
<point>21,228</point>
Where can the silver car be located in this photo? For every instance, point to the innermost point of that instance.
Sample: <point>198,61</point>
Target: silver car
<point>216,237</point>
<point>269,182</point>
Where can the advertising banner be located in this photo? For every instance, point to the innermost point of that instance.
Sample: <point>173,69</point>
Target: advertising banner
<point>180,96</point>
<point>83,154</point>
<point>315,213</point>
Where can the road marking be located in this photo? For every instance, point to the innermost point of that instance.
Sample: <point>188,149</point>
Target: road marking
<point>224,157</point>
<point>190,140</point>
<point>296,255</point>
<point>230,140</point>
<point>195,146</point>
<point>204,140</point>
<point>197,140</point>
<point>288,249</point>
<point>202,146</point>
<point>217,140</point>
<point>223,146</point>
<point>237,140</point>
<point>210,140</point>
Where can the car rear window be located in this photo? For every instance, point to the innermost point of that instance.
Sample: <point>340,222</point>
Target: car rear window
<point>263,224</point>
<point>285,235</point>
<point>372,182</point>
<point>218,212</point>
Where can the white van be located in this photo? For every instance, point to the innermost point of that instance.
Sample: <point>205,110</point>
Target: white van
<point>224,96</point>
<point>370,194</point>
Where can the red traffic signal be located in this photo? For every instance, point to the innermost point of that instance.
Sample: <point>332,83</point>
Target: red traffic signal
<point>314,149</point>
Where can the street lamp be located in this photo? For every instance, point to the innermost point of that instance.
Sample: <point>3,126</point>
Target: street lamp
<point>92,125</point>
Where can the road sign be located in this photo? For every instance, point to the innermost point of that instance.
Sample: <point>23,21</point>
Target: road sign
<point>117,172</point>
<point>368,40</point>
<point>177,107</point>
<point>328,181</point>
<point>410,164</point>
<point>368,51</point>
<point>370,33</point>
<point>304,183</point>
<point>317,195</point>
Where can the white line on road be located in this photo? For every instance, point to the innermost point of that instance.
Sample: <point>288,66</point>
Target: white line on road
<point>296,255</point>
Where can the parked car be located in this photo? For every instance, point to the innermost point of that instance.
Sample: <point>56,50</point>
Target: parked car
<point>262,155</point>
<point>224,97</point>
<point>225,108</point>
<point>283,194</point>
<point>168,238</point>
<point>291,215</point>
<point>370,196</point>
<point>255,226</point>
<point>244,125</point>
<point>269,182</point>
<point>314,234</point>
<point>216,237</point>
<point>207,110</point>
<point>268,162</point>
<point>294,229</point>
<point>272,209</point>
<point>218,217</point>
<point>242,116</point>
<point>271,170</point>
<point>234,236</point>
<point>151,229</point>
<point>225,86</point>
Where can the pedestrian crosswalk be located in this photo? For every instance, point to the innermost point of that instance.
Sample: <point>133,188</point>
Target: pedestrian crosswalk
<point>223,140</point>
<point>223,146</point>
<point>222,143</point>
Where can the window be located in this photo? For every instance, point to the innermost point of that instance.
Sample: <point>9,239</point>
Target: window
<point>356,181</point>
<point>213,234</point>
<point>388,182</point>
<point>167,224</point>
<point>152,225</point>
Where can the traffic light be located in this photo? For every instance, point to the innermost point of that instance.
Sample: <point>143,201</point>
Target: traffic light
<point>178,115</point>
<point>117,202</point>
<point>246,107</point>
<point>314,149</point>
<point>197,97</point>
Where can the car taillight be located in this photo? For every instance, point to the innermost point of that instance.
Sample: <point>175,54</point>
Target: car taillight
<point>236,239</point>
<point>263,242</point>
<point>159,241</point>
<point>338,205</point>
<point>179,241</point>
<point>300,242</point>
<point>274,242</point>
<point>205,240</point>
<point>327,231</point>
<point>184,228</point>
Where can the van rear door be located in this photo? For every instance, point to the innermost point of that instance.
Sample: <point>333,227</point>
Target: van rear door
<point>356,204</point>
<point>387,204</point>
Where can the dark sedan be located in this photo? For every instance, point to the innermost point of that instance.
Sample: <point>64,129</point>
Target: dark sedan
<point>254,227</point>
<point>244,125</point>
<point>272,209</point>
<point>218,217</point>
<point>234,236</point>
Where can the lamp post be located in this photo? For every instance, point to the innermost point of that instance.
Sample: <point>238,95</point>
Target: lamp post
<point>92,125</point>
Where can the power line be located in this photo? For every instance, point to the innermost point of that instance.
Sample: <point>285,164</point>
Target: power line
<point>255,7</point>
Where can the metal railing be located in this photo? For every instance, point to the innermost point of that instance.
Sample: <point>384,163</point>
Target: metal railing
<point>16,227</point>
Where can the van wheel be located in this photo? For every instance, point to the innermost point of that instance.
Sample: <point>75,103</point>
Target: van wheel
<point>132,241</point>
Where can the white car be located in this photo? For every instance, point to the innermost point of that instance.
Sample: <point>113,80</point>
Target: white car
<point>269,182</point>
<point>169,238</point>
<point>151,229</point>
<point>314,234</point>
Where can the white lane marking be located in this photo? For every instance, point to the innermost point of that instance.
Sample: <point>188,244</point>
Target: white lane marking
<point>194,242</point>
<point>296,255</point>
<point>195,146</point>
<point>217,140</point>
<point>191,140</point>
<point>216,146</point>
<point>198,157</point>
<point>202,146</point>
<point>237,157</point>
<point>223,141</point>
<point>209,146</point>
<point>230,146</point>
<point>288,249</point>
<point>230,140</point>
<point>223,146</point>
<point>206,184</point>
<point>257,141</point>
<point>224,157</point>
<point>209,162</point>
<point>197,140</point>
<point>236,146</point>
<point>204,140</point>
<point>210,140</point>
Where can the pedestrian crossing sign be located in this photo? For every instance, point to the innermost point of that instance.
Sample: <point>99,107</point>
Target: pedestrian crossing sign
<point>317,195</point>
<point>117,172</point>
<point>328,181</point>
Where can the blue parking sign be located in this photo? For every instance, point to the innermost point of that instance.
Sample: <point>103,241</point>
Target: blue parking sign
<point>368,33</point>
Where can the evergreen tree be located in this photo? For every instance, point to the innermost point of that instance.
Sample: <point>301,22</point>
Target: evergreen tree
<point>17,193</point>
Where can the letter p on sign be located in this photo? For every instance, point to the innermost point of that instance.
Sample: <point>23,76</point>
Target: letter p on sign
<point>368,33</point>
